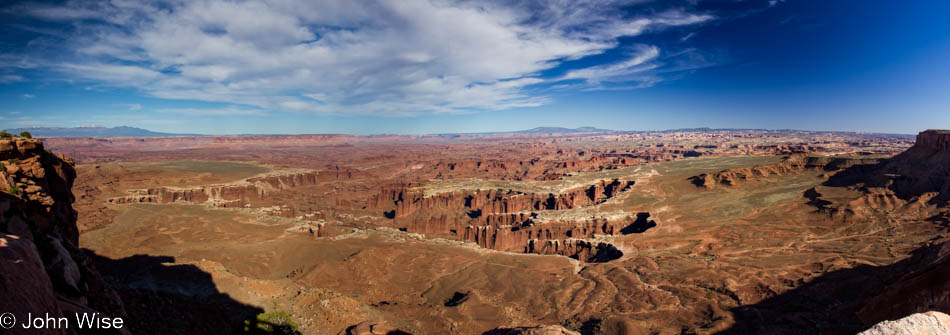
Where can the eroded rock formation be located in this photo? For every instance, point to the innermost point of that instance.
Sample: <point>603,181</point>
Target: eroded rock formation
<point>41,266</point>
<point>506,220</point>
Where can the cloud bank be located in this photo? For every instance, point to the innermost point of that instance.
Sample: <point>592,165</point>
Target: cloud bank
<point>388,58</point>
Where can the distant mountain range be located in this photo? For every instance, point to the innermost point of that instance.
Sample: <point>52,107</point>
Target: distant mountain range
<point>121,131</point>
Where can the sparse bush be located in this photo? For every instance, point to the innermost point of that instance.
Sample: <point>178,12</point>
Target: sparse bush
<point>3,167</point>
<point>26,134</point>
<point>14,161</point>
<point>5,134</point>
<point>275,322</point>
<point>15,190</point>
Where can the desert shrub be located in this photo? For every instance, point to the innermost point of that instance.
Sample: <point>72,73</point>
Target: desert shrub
<point>15,190</point>
<point>14,161</point>
<point>26,134</point>
<point>3,167</point>
<point>5,134</point>
<point>274,322</point>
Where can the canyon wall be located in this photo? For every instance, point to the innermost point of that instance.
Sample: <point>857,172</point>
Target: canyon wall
<point>238,194</point>
<point>506,220</point>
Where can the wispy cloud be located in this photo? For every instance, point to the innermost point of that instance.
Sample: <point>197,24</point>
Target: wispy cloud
<point>10,78</point>
<point>132,107</point>
<point>391,57</point>
<point>213,112</point>
<point>28,96</point>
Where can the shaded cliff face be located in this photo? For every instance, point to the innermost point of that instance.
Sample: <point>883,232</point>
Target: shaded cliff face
<point>937,140</point>
<point>914,183</point>
<point>927,289</point>
<point>41,266</point>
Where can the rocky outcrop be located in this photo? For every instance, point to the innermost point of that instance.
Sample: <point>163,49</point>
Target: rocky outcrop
<point>927,323</point>
<point>408,200</point>
<point>582,250</point>
<point>41,262</point>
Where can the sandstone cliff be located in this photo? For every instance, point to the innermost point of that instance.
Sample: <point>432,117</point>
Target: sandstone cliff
<point>505,219</point>
<point>41,266</point>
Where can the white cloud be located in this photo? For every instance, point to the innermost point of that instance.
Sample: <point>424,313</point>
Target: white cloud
<point>10,78</point>
<point>212,112</point>
<point>391,57</point>
<point>28,96</point>
<point>640,62</point>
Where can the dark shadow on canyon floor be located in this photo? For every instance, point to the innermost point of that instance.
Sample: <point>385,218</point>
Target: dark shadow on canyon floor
<point>829,303</point>
<point>641,224</point>
<point>165,298</point>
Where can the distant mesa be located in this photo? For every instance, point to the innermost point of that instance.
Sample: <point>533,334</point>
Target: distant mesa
<point>92,131</point>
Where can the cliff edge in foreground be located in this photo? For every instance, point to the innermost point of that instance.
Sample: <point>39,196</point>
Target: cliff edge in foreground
<point>42,270</point>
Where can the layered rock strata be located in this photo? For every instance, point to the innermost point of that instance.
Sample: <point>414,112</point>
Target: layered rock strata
<point>506,220</point>
<point>238,194</point>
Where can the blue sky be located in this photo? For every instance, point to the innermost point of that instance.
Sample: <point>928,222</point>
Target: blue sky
<point>421,66</point>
